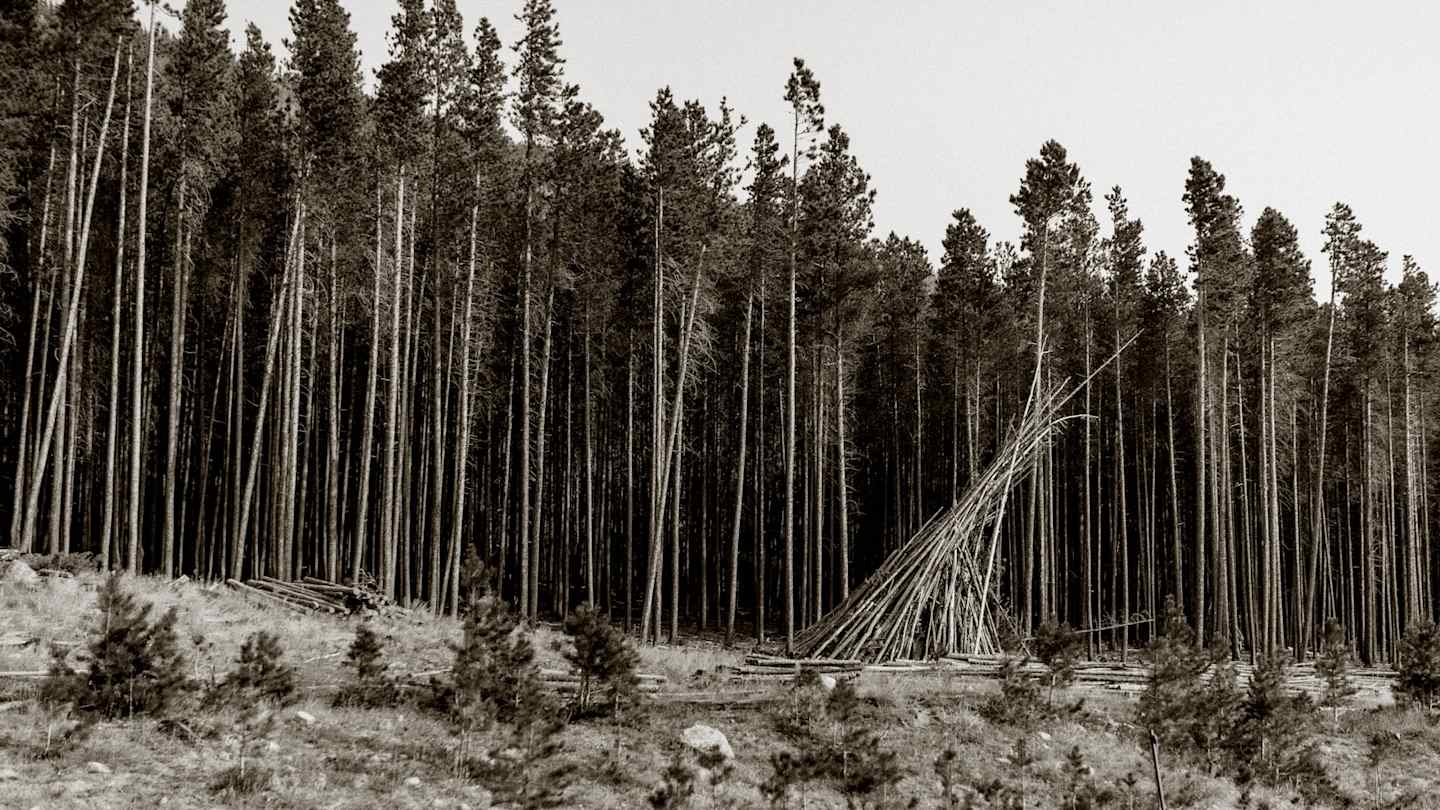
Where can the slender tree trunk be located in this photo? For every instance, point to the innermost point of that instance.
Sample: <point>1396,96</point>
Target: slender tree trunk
<point>177,365</point>
<point>272,343</point>
<point>138,364</point>
<point>107,530</point>
<point>388,533</point>
<point>367,443</point>
<point>70,319</point>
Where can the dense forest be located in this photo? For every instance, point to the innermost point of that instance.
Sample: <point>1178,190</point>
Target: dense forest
<point>256,318</point>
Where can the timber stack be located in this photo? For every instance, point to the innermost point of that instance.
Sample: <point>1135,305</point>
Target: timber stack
<point>313,595</point>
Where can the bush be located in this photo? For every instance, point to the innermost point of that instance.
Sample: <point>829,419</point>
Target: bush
<point>1417,679</point>
<point>70,563</point>
<point>1185,712</point>
<point>136,667</point>
<point>259,675</point>
<point>839,747</point>
<point>1272,737</point>
<point>603,658</point>
<point>1019,702</point>
<point>1080,786</point>
<point>371,687</point>
<point>1058,647</point>
<point>495,681</point>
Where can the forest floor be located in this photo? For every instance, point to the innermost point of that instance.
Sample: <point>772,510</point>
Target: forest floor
<point>324,757</point>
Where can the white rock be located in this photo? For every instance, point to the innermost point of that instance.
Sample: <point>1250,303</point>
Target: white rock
<point>272,746</point>
<point>18,573</point>
<point>305,717</point>
<point>97,767</point>
<point>828,681</point>
<point>1045,736</point>
<point>8,775</point>
<point>704,738</point>
<point>412,781</point>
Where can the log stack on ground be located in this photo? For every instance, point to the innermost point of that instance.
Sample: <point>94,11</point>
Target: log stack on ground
<point>312,595</point>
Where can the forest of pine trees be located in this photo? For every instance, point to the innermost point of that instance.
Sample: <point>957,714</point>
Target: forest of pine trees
<point>258,319</point>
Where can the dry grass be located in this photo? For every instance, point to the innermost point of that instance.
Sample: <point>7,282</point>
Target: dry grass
<point>401,757</point>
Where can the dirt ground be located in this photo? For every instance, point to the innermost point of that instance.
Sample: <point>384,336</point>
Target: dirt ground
<point>324,757</point>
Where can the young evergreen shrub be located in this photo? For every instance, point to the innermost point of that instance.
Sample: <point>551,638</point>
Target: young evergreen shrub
<point>1082,791</point>
<point>136,666</point>
<point>371,688</point>
<point>1020,701</point>
<point>839,747</point>
<point>493,666</point>
<point>801,708</point>
<point>527,772</point>
<point>677,786</point>
<point>260,675</point>
<point>855,761</point>
<point>1058,647</point>
<point>1271,739</point>
<point>1417,680</point>
<point>604,660</point>
<point>1186,713</point>
<point>1333,664</point>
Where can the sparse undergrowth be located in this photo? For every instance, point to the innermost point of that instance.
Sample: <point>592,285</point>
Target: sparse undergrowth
<point>229,735</point>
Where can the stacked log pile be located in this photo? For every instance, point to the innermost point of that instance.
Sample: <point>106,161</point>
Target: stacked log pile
<point>312,595</point>
<point>762,667</point>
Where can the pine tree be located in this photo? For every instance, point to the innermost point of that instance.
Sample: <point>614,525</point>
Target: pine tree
<point>136,666</point>
<point>602,657</point>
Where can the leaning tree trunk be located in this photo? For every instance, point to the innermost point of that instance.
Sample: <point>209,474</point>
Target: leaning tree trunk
<point>70,319</point>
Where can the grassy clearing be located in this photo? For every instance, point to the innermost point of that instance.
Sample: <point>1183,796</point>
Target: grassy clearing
<point>403,758</point>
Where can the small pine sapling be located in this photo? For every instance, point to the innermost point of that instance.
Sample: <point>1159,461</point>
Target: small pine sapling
<point>260,674</point>
<point>1176,704</point>
<point>677,785</point>
<point>371,687</point>
<point>1417,678</point>
<point>526,773</point>
<point>1019,702</point>
<point>603,659</point>
<point>260,684</point>
<point>1333,664</point>
<point>1129,787</point>
<point>1058,647</point>
<point>856,762</point>
<point>136,666</point>
<point>1021,758</point>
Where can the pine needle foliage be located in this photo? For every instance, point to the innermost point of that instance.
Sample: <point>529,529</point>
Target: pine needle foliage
<point>1418,672</point>
<point>136,667</point>
<point>1178,705</point>
<point>1058,647</point>
<point>370,688</point>
<point>840,749</point>
<point>604,660</point>
<point>260,675</point>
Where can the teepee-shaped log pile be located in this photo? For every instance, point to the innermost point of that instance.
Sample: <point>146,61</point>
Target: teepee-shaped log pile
<point>933,596</point>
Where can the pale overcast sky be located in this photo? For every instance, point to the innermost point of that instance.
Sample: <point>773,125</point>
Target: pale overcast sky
<point>1298,103</point>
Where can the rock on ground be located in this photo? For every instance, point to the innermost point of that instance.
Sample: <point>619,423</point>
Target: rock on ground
<point>707,739</point>
<point>18,573</point>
